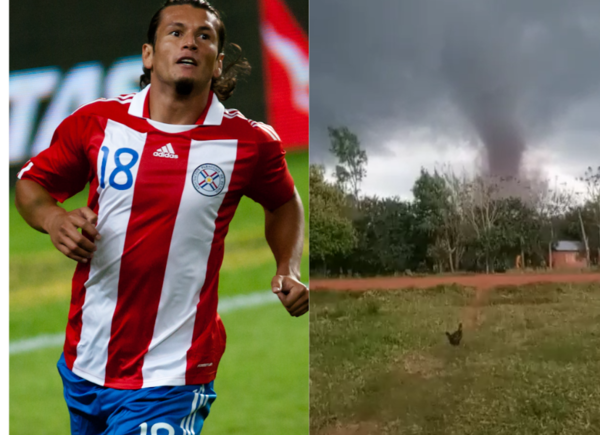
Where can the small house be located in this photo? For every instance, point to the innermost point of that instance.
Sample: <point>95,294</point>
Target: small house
<point>567,254</point>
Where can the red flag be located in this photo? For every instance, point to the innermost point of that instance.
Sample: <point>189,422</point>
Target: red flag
<point>285,62</point>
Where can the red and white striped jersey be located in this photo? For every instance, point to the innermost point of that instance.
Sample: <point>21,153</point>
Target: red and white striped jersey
<point>144,310</point>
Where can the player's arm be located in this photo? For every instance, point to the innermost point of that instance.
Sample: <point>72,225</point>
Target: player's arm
<point>40,211</point>
<point>284,231</point>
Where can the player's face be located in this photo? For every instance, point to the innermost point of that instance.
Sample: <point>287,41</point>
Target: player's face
<point>186,48</point>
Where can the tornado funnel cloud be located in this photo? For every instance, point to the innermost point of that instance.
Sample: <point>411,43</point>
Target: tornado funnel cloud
<point>482,87</point>
<point>503,141</point>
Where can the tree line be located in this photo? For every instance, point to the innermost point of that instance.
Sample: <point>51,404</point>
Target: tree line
<point>455,222</point>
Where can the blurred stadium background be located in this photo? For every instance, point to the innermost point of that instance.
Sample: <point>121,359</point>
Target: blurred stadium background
<point>65,54</point>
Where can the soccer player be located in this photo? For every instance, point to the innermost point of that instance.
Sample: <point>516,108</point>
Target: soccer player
<point>167,167</point>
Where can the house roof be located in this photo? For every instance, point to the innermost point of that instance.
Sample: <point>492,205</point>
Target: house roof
<point>568,245</point>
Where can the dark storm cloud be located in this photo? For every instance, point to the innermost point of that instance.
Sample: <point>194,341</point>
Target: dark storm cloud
<point>509,72</point>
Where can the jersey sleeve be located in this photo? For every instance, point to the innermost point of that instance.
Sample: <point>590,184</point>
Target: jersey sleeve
<point>62,169</point>
<point>271,185</point>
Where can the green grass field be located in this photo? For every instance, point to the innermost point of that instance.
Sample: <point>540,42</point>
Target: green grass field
<point>262,385</point>
<point>528,364</point>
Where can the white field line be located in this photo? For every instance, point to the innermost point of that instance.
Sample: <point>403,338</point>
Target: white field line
<point>226,305</point>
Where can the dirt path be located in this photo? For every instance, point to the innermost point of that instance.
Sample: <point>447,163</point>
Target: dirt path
<point>481,282</point>
<point>471,316</point>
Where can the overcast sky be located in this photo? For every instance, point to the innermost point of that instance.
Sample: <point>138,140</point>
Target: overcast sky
<point>426,82</point>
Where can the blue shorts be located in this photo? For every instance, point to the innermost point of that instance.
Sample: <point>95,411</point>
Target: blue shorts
<point>96,410</point>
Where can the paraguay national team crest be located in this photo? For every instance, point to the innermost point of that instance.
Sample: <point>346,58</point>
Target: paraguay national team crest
<point>208,179</point>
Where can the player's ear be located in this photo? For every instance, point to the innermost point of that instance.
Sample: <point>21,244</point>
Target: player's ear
<point>147,56</point>
<point>219,66</point>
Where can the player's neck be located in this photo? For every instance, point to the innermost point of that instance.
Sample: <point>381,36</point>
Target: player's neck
<point>170,108</point>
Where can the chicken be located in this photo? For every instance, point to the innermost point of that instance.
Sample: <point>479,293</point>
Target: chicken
<point>455,337</point>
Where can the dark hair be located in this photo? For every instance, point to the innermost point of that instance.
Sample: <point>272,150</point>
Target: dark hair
<point>222,86</point>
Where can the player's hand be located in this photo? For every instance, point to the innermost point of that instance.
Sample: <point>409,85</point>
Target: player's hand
<point>292,294</point>
<point>63,231</point>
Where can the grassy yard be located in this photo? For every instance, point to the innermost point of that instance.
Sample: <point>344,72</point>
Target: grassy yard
<point>262,385</point>
<point>529,362</point>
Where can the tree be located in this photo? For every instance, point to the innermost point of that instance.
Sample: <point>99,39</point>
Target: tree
<point>552,204</point>
<point>432,211</point>
<point>331,232</point>
<point>352,159</point>
<point>385,227</point>
<point>577,223</point>
<point>517,228</point>
<point>591,179</point>
<point>518,218</point>
<point>456,225</point>
<point>482,211</point>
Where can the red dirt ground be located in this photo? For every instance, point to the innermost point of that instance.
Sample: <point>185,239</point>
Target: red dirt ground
<point>477,281</point>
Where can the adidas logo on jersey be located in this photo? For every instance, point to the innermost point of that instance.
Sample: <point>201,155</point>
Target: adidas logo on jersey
<point>166,151</point>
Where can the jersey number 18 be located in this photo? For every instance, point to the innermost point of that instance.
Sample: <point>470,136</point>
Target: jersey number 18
<point>120,167</point>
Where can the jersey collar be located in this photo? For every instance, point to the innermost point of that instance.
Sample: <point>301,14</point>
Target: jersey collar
<point>212,114</point>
